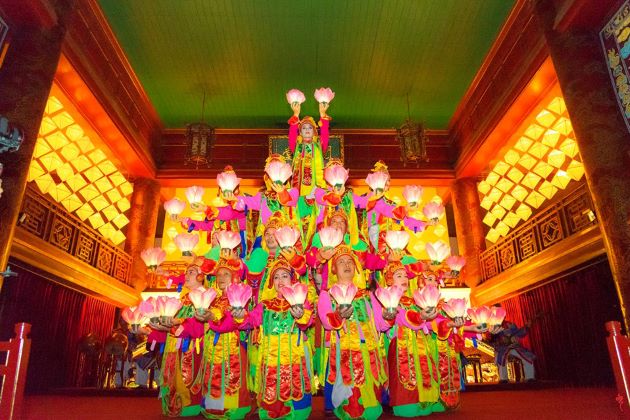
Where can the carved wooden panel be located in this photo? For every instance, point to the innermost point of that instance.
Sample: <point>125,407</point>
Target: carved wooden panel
<point>105,260</point>
<point>526,244</point>
<point>37,216</point>
<point>550,231</point>
<point>86,248</point>
<point>122,269</point>
<point>61,233</point>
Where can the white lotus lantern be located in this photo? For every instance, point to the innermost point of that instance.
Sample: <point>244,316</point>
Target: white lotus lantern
<point>295,96</point>
<point>228,239</point>
<point>194,194</point>
<point>279,172</point>
<point>433,211</point>
<point>377,181</point>
<point>324,95</point>
<point>437,251</point>
<point>412,194</point>
<point>330,237</point>
<point>397,239</point>
<point>228,181</point>
<point>287,236</point>
<point>186,242</point>
<point>336,175</point>
<point>153,257</point>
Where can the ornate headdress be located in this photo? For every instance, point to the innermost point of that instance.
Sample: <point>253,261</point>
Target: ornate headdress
<point>308,120</point>
<point>380,166</point>
<point>280,264</point>
<point>390,269</point>
<point>235,266</point>
<point>337,212</point>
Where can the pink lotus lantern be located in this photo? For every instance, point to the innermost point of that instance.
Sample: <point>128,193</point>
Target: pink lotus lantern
<point>497,315</point>
<point>433,211</point>
<point>186,242</point>
<point>455,263</point>
<point>202,298</point>
<point>336,175</point>
<point>227,181</point>
<point>150,310</point>
<point>437,251</point>
<point>228,239</point>
<point>153,257</point>
<point>377,181</point>
<point>455,307</point>
<point>194,194</point>
<point>238,295</point>
<point>427,297</point>
<point>324,95</point>
<point>279,172</point>
<point>480,316</point>
<point>412,194</point>
<point>397,239</point>
<point>134,317</point>
<point>295,294</point>
<point>287,236</point>
<point>174,207</point>
<point>295,96</point>
<point>330,237</point>
<point>343,294</point>
<point>168,308</point>
<point>389,297</point>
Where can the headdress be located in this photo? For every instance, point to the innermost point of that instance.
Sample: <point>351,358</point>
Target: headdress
<point>308,120</point>
<point>280,264</point>
<point>337,212</point>
<point>341,250</point>
<point>380,166</point>
<point>390,269</point>
<point>235,266</point>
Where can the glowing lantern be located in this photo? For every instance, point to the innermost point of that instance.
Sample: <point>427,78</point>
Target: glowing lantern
<point>330,237</point>
<point>228,181</point>
<point>336,175</point>
<point>150,310</point>
<point>228,239</point>
<point>186,242</point>
<point>497,315</point>
<point>455,263</point>
<point>433,211</point>
<point>295,96</point>
<point>427,297</point>
<point>287,236</point>
<point>343,294</point>
<point>479,316</point>
<point>389,296</point>
<point>324,95</point>
<point>377,181</point>
<point>133,316</point>
<point>153,257</point>
<point>202,298</point>
<point>279,172</point>
<point>437,251</point>
<point>168,308</point>
<point>238,295</point>
<point>295,294</point>
<point>194,194</point>
<point>455,308</point>
<point>397,239</point>
<point>412,194</point>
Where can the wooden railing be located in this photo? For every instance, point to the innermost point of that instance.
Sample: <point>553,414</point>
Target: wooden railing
<point>619,351</point>
<point>50,222</point>
<point>13,372</point>
<point>551,225</point>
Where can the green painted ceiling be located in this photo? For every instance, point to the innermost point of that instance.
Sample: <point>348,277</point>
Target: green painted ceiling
<point>247,53</point>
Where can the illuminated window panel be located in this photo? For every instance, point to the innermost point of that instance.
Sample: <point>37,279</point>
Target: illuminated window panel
<point>547,189</point>
<point>41,148</point>
<point>492,178</point>
<point>62,120</point>
<point>486,203</point>
<point>557,105</point>
<point>93,173</point>
<point>507,202</point>
<point>97,156</point>
<point>523,211</point>
<point>47,126</point>
<point>439,230</point>
<point>126,188</point>
<point>103,185</point>
<point>114,195</point>
<point>172,231</point>
<point>85,144</point>
<point>550,138</point>
<point>502,228</point>
<point>35,171</point>
<point>523,144</point>
<point>493,235</point>
<point>504,185</point>
<point>71,151</point>
<point>569,147</point>
<point>74,132</point>
<point>489,219</point>
<point>89,192</point>
<point>44,183</point>
<point>107,167</point>
<point>59,192</point>
<point>575,170</point>
<point>498,211</point>
<point>99,202</point>
<point>81,163</point>
<point>530,180</point>
<point>117,178</point>
<point>543,169</point>
<point>96,220</point>
<point>535,199</point>
<point>76,182</point>
<point>527,161</point>
<point>51,161</point>
<point>546,118</point>
<point>107,230</point>
<point>72,203</point>
<point>57,140</point>
<point>484,187</point>
<point>120,221</point>
<point>563,126</point>
<point>556,158</point>
<point>538,150</point>
<point>123,205</point>
<point>515,175</point>
<point>561,179</point>
<point>501,168</point>
<point>534,131</point>
<point>494,195</point>
<point>110,212</point>
<point>511,219</point>
<point>118,237</point>
<point>53,105</point>
<point>84,211</point>
<point>511,157</point>
<point>171,247</point>
<point>519,193</point>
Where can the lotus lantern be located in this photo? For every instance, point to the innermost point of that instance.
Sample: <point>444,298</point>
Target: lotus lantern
<point>279,172</point>
<point>153,257</point>
<point>455,263</point>
<point>330,237</point>
<point>186,242</point>
<point>202,298</point>
<point>295,96</point>
<point>455,307</point>
<point>227,181</point>
<point>433,211</point>
<point>295,294</point>
<point>133,316</point>
<point>287,236</point>
<point>377,181</point>
<point>344,294</point>
<point>168,308</point>
<point>336,175</point>
<point>412,194</point>
<point>480,316</point>
<point>324,95</point>
<point>397,239</point>
<point>194,195</point>
<point>238,295</point>
<point>497,315</point>
<point>228,239</point>
<point>427,297</point>
<point>150,310</point>
<point>174,207</point>
<point>389,297</point>
<point>437,251</point>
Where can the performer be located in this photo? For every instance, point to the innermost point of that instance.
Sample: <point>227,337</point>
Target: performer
<point>181,380</point>
<point>284,375</point>
<point>308,149</point>
<point>356,371</point>
<point>506,343</point>
<point>224,358</point>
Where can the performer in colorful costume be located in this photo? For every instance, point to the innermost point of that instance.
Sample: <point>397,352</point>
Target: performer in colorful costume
<point>284,375</point>
<point>355,369</point>
<point>506,343</point>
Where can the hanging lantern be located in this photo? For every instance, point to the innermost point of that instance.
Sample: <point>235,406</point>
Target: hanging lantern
<point>199,142</point>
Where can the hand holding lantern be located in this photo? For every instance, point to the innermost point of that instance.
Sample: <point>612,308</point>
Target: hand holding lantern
<point>202,299</point>
<point>479,316</point>
<point>134,317</point>
<point>344,295</point>
<point>330,237</point>
<point>168,308</point>
<point>238,295</point>
<point>389,297</point>
<point>427,298</point>
<point>295,96</point>
<point>228,239</point>
<point>455,308</point>
<point>228,183</point>
<point>279,172</point>
<point>296,296</point>
<point>174,208</point>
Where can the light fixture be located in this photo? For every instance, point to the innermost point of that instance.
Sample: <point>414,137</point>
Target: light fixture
<point>199,141</point>
<point>413,141</point>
